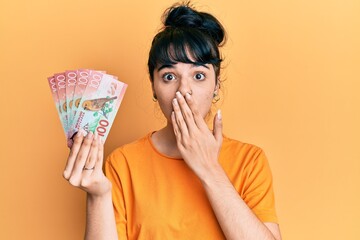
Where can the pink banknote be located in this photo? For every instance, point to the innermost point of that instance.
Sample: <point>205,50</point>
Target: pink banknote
<point>86,100</point>
<point>71,78</point>
<point>53,88</point>
<point>60,81</point>
<point>99,104</point>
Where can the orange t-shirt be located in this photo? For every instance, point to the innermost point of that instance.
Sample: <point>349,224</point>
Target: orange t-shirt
<point>159,197</point>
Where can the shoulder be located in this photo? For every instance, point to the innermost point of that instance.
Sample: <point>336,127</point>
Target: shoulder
<point>233,146</point>
<point>242,156</point>
<point>131,149</point>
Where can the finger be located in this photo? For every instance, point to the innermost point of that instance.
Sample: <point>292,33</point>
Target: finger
<point>183,128</point>
<point>78,139</point>
<point>217,130</point>
<point>186,112</point>
<point>70,142</point>
<point>175,127</point>
<point>92,157</point>
<point>99,157</point>
<point>81,159</point>
<point>198,119</point>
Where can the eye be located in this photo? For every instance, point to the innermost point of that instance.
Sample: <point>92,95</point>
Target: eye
<point>199,76</point>
<point>168,77</point>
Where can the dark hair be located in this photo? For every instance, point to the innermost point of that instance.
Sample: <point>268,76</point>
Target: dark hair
<point>187,34</point>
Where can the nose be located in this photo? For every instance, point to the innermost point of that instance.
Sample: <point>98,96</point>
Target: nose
<point>185,86</point>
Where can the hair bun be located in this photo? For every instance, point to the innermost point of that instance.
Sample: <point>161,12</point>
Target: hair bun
<point>184,16</point>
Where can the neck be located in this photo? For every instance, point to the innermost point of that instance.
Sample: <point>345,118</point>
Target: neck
<point>165,141</point>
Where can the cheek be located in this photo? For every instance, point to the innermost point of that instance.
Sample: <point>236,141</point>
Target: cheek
<point>165,103</point>
<point>204,102</point>
<point>207,97</point>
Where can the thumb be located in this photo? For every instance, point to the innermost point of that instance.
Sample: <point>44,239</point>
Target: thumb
<point>217,130</point>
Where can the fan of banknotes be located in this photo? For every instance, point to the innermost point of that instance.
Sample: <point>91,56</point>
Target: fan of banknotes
<point>86,99</point>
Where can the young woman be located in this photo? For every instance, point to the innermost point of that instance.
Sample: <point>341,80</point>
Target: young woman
<point>184,181</point>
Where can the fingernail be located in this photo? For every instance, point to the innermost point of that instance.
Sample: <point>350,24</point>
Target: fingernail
<point>96,136</point>
<point>82,133</point>
<point>187,95</point>
<point>90,135</point>
<point>175,102</point>
<point>77,135</point>
<point>219,114</point>
<point>178,94</point>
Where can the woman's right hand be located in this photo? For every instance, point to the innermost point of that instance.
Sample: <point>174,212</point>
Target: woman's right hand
<point>84,165</point>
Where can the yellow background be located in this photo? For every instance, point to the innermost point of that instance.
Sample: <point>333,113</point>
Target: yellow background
<point>292,87</point>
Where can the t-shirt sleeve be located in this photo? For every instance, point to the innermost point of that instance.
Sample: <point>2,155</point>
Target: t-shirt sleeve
<point>117,193</point>
<point>259,194</point>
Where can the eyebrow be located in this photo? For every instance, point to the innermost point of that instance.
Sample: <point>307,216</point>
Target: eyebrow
<point>195,64</point>
<point>165,66</point>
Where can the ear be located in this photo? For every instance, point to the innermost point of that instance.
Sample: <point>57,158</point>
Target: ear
<point>217,86</point>
<point>153,90</point>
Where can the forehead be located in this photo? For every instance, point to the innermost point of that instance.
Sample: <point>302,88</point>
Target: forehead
<point>181,65</point>
<point>181,50</point>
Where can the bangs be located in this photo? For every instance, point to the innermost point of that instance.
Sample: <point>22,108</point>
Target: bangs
<point>184,45</point>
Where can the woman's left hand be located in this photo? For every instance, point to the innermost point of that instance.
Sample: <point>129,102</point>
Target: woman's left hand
<point>198,146</point>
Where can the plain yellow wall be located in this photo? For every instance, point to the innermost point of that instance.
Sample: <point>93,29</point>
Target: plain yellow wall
<point>292,87</point>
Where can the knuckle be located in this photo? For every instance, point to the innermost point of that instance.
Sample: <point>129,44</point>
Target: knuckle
<point>189,100</point>
<point>81,155</point>
<point>89,182</point>
<point>74,181</point>
<point>181,101</point>
<point>177,108</point>
<point>78,139</point>
<point>186,144</point>
<point>66,175</point>
<point>177,134</point>
<point>195,112</point>
<point>189,103</point>
<point>85,183</point>
<point>188,114</point>
<point>179,122</point>
<point>94,143</point>
<point>87,142</point>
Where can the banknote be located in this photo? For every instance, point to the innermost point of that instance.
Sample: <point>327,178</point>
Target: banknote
<point>86,100</point>
<point>99,104</point>
<point>53,89</point>
<point>81,83</point>
<point>60,81</point>
<point>71,78</point>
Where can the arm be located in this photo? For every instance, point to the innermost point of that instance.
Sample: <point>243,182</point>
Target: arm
<point>100,221</point>
<point>234,216</point>
<point>200,149</point>
<point>84,170</point>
